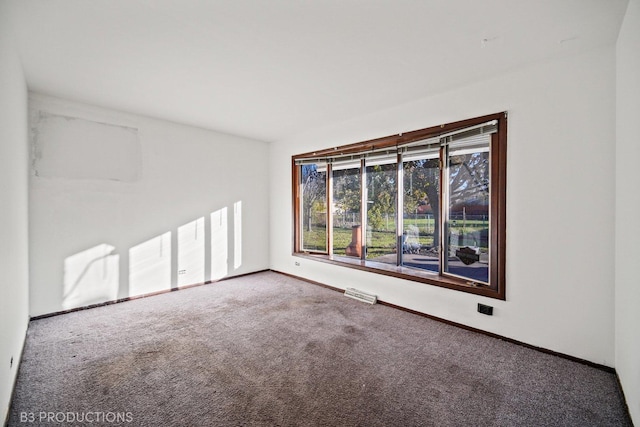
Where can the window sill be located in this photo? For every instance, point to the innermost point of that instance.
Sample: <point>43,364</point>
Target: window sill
<point>406,273</point>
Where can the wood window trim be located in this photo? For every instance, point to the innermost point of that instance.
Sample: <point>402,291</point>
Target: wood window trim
<point>400,272</point>
<point>498,209</point>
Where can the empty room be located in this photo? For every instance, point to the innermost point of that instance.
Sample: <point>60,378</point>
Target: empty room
<point>319,213</point>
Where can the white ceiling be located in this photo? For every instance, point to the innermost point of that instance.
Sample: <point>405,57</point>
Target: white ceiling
<point>268,69</point>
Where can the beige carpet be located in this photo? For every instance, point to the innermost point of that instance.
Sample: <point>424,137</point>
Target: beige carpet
<point>269,350</point>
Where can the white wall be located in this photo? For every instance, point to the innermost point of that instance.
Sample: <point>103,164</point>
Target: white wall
<point>560,204</point>
<point>14,281</point>
<point>118,200</point>
<point>628,208</point>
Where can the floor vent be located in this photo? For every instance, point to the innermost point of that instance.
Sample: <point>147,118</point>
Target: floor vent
<point>360,295</point>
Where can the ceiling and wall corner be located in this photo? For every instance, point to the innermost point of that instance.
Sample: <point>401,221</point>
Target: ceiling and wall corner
<point>269,70</point>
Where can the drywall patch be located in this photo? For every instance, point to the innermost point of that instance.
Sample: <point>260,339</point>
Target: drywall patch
<point>75,148</point>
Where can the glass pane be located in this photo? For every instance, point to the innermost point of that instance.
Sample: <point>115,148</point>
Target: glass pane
<point>381,213</point>
<point>421,214</point>
<point>314,207</point>
<point>347,230</point>
<point>468,218</point>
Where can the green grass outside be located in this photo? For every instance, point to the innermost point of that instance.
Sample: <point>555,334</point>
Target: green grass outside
<point>382,242</point>
<point>314,240</point>
<point>428,224</point>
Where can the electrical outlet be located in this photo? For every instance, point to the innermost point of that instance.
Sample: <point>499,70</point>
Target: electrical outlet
<point>485,309</point>
<point>182,271</point>
<point>297,264</point>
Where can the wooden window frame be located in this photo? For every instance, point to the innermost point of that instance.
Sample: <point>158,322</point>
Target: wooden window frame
<point>498,197</point>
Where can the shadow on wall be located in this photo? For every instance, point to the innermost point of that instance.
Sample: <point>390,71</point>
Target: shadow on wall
<point>92,276</point>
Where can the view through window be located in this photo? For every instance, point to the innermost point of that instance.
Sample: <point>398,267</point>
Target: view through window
<point>427,205</point>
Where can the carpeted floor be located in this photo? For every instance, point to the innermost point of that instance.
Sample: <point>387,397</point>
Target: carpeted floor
<point>269,350</point>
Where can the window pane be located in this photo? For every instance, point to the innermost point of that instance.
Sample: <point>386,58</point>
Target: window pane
<point>421,206</point>
<point>468,218</point>
<point>314,207</point>
<point>381,213</point>
<point>347,230</point>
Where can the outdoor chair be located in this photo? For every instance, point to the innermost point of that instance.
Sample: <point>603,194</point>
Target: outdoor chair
<point>410,240</point>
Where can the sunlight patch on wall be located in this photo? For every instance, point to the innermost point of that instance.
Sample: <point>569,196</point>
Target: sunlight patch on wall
<point>150,266</point>
<point>191,239</point>
<point>91,277</point>
<point>219,244</point>
<point>237,234</point>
